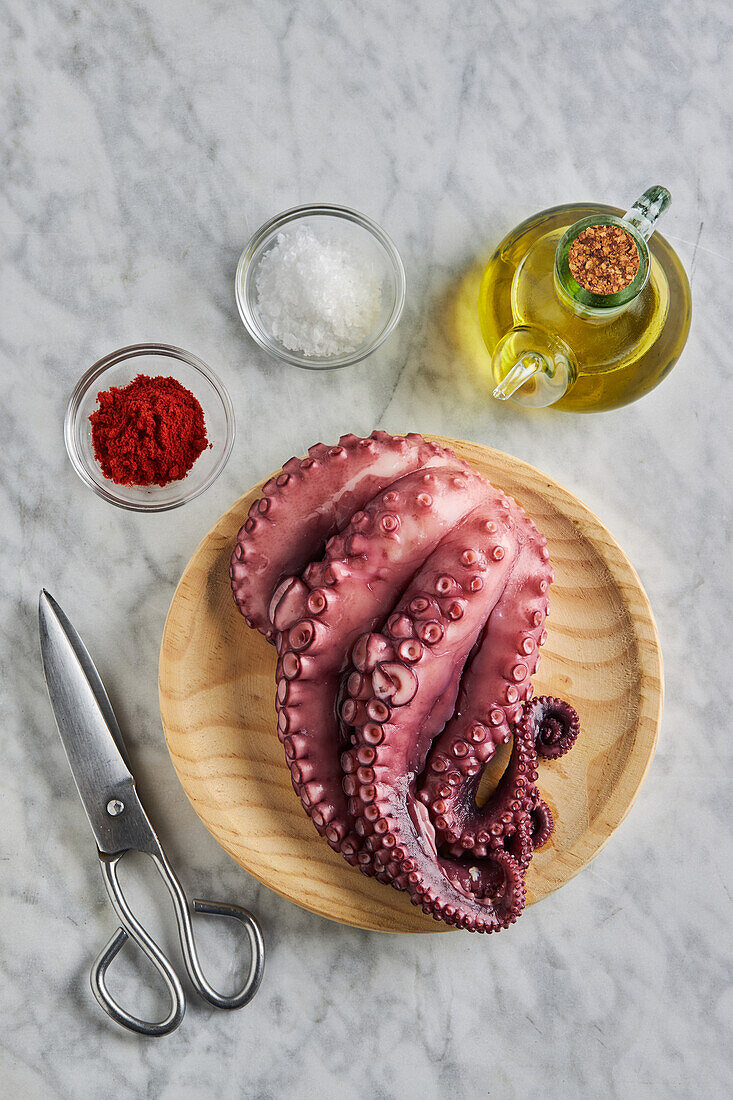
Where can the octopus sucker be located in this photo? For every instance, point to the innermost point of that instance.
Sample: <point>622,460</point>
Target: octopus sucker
<point>406,597</point>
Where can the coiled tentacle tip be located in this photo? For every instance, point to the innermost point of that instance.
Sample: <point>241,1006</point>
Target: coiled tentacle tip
<point>555,725</point>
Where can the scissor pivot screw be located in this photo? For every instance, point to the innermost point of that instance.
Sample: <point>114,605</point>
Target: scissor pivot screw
<point>115,807</point>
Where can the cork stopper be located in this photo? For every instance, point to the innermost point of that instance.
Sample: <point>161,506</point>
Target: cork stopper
<point>603,259</point>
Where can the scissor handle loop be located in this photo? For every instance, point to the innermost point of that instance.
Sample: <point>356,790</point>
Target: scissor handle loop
<point>188,943</point>
<point>132,928</point>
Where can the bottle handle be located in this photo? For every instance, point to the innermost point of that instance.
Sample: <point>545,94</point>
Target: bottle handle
<point>647,210</point>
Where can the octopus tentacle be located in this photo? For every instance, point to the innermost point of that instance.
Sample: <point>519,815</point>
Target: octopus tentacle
<point>502,821</point>
<point>493,688</point>
<point>448,612</point>
<point>515,837</point>
<point>555,726</point>
<point>541,821</point>
<point>519,841</point>
<point>311,499</point>
<point>321,616</point>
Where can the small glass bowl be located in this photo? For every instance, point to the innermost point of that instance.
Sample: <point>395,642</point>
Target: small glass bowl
<point>348,227</point>
<point>118,369</point>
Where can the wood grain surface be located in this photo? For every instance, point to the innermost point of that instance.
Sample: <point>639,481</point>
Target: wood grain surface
<point>216,682</point>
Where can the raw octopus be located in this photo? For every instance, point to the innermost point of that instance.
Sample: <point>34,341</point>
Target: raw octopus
<point>407,598</point>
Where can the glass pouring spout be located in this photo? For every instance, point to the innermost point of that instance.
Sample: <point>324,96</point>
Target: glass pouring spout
<point>524,369</point>
<point>602,264</point>
<point>533,367</point>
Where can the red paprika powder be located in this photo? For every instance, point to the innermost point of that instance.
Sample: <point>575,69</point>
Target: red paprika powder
<point>149,432</point>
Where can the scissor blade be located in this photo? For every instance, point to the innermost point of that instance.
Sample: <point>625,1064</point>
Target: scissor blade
<point>91,736</point>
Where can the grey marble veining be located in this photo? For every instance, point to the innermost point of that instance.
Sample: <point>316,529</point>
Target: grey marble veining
<point>143,143</point>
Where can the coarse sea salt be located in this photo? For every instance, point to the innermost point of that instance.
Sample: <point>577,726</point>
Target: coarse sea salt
<point>315,296</point>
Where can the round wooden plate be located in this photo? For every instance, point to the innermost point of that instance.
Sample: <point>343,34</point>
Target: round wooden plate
<point>602,654</point>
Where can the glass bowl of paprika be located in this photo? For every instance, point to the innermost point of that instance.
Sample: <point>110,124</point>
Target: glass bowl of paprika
<point>149,427</point>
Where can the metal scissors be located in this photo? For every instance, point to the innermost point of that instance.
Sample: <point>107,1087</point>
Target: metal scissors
<point>101,770</point>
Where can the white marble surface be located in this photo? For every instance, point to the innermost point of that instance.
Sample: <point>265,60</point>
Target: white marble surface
<point>144,142</point>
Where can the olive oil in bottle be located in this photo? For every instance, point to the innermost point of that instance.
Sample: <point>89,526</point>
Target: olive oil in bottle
<point>565,326</point>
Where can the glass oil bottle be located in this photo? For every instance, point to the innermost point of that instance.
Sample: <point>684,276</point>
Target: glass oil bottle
<point>554,342</point>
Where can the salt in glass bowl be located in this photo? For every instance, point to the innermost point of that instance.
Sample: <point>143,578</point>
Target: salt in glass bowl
<point>355,232</point>
<point>119,369</point>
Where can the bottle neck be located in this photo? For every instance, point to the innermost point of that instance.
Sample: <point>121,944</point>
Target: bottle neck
<point>589,305</point>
